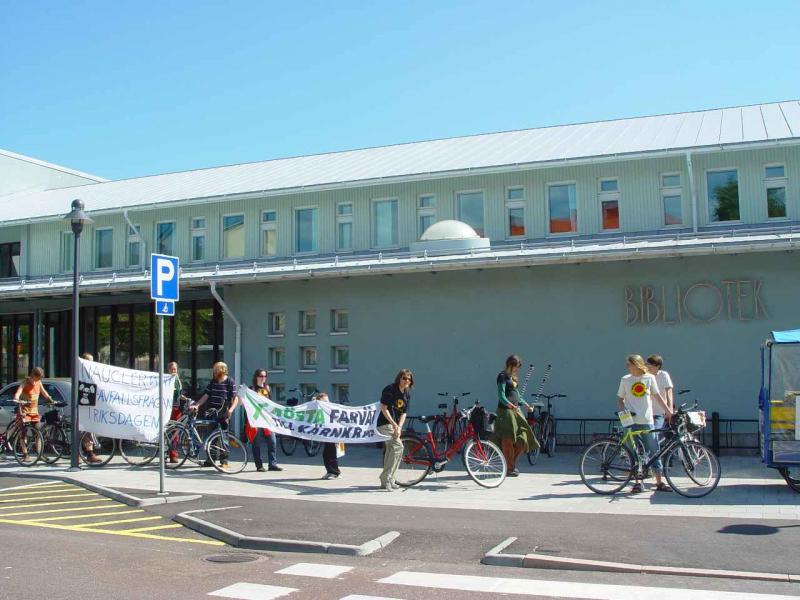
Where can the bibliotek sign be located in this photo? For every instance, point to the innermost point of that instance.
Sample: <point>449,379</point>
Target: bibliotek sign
<point>701,302</point>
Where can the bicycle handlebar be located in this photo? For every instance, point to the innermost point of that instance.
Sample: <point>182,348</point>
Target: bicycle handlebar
<point>680,393</point>
<point>549,396</point>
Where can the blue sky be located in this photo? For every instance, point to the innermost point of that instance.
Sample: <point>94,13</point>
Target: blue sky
<point>123,88</point>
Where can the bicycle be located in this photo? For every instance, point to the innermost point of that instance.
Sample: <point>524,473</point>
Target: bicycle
<point>56,434</point>
<point>222,449</point>
<point>446,428</point>
<point>543,424</point>
<point>23,440</point>
<point>691,469</point>
<point>289,443</point>
<point>483,460</point>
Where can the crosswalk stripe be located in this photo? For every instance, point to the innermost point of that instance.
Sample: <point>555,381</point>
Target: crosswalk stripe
<point>84,516</point>
<point>315,570</point>
<point>563,589</point>
<point>94,506</point>
<point>36,499</point>
<point>154,528</point>
<point>62,502</point>
<point>252,591</point>
<point>118,521</point>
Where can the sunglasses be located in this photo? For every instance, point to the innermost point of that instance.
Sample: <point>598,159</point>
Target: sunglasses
<point>406,378</point>
<point>260,376</point>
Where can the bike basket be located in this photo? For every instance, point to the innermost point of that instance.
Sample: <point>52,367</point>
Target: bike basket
<point>626,418</point>
<point>695,420</point>
<point>52,417</point>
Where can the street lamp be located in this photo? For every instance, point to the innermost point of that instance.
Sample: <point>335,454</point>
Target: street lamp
<point>77,219</point>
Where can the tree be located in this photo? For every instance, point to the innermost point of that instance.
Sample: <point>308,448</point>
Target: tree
<point>727,197</point>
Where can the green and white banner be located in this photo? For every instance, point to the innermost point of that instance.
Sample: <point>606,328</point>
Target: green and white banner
<point>318,421</point>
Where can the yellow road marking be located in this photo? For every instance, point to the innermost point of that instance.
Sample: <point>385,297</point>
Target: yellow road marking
<point>49,490</point>
<point>85,516</point>
<point>121,532</point>
<point>138,529</point>
<point>155,518</point>
<point>35,499</point>
<point>59,510</point>
<point>38,504</point>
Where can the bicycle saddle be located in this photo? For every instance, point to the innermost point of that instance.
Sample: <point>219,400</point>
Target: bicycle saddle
<point>443,406</point>
<point>425,419</point>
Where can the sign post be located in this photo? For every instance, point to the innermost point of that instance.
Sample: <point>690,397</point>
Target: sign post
<point>164,275</point>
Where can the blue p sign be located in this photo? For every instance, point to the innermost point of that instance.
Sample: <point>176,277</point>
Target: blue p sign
<point>163,277</point>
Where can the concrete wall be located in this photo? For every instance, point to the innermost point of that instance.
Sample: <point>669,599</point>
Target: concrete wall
<point>455,329</point>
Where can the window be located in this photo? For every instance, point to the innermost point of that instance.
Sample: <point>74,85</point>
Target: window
<point>269,233</point>
<point>515,212</point>
<point>67,251</point>
<point>469,206</point>
<point>277,323</point>
<point>344,226</point>
<point>199,237</point>
<point>341,393</point>
<point>340,357</point>
<point>672,199</point>
<point>308,322</point>
<point>426,213</point>
<point>723,195</point>
<point>608,194</point>
<point>165,238</point>
<point>308,357</point>
<point>610,210</point>
<point>305,230</point>
<point>308,389</point>
<point>340,321</point>
<point>384,223</point>
<point>278,392</point>
<point>9,259</point>
<point>609,185</point>
<point>103,248</point>
<point>563,207</point>
<point>134,252</point>
<point>233,236</point>
<point>277,359</point>
<point>775,184</point>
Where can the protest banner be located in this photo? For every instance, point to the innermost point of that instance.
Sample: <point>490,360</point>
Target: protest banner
<point>121,403</point>
<point>318,421</point>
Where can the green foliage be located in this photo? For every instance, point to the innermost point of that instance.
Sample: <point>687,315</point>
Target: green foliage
<point>727,197</point>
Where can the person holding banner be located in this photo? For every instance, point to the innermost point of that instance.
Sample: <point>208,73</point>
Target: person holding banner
<point>178,405</point>
<point>218,398</point>
<point>329,449</point>
<point>258,437</point>
<point>395,400</point>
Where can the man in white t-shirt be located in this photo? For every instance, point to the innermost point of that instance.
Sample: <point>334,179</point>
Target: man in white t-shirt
<point>664,381</point>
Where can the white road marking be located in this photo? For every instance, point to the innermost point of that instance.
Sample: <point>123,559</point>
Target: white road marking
<point>252,591</point>
<point>315,570</point>
<point>360,597</point>
<point>30,485</point>
<point>563,589</point>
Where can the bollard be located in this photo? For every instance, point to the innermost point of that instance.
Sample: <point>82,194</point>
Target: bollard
<point>715,432</point>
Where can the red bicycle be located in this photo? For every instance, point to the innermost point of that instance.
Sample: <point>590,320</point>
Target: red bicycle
<point>482,459</point>
<point>448,427</point>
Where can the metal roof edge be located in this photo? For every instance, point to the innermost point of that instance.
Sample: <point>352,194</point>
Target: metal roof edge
<point>49,165</point>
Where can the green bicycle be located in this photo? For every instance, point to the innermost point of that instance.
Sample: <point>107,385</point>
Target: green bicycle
<point>691,469</point>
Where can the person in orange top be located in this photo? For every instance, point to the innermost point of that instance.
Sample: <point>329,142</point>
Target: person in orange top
<point>27,396</point>
<point>255,436</point>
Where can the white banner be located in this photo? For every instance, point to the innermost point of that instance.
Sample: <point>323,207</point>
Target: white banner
<point>121,403</point>
<point>319,421</point>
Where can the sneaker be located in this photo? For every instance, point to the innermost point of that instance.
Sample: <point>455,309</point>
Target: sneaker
<point>275,468</point>
<point>637,488</point>
<point>387,487</point>
<point>394,485</point>
<point>260,469</point>
<point>513,473</point>
<point>329,476</point>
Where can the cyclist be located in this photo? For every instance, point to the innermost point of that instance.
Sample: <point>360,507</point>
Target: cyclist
<point>220,397</point>
<point>27,396</point>
<point>637,390</point>
<point>178,403</point>
<point>395,399</point>
<point>511,430</point>
<point>259,437</point>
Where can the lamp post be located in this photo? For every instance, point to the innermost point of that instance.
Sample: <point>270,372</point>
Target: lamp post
<point>77,219</point>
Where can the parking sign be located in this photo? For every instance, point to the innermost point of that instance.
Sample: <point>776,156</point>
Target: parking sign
<point>164,277</point>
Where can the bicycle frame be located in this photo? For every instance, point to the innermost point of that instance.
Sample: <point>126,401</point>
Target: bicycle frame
<point>631,438</point>
<point>453,449</point>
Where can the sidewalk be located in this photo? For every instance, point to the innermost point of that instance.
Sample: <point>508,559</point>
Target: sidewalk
<point>747,489</point>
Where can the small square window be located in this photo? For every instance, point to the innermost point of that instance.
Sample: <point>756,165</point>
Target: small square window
<point>308,321</point>
<point>308,357</point>
<point>609,185</point>
<point>427,201</point>
<point>277,358</point>
<point>341,357</point>
<point>269,216</point>
<point>199,223</point>
<point>341,393</point>
<point>516,193</point>
<point>340,321</point>
<point>775,172</point>
<point>277,323</point>
<point>278,392</point>
<point>673,180</point>
<point>344,209</point>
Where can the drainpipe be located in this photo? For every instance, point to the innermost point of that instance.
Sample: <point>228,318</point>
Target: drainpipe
<point>138,234</point>
<point>237,351</point>
<point>692,190</point>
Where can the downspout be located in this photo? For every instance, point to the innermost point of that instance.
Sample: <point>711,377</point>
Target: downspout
<point>237,350</point>
<point>692,190</point>
<point>138,234</point>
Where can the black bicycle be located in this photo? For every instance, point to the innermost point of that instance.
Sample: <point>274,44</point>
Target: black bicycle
<point>543,424</point>
<point>288,443</point>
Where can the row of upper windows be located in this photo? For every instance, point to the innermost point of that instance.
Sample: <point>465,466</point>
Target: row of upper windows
<point>561,205</point>
<point>341,392</point>
<point>308,359</point>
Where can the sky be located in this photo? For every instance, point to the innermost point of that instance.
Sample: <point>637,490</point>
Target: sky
<point>123,89</point>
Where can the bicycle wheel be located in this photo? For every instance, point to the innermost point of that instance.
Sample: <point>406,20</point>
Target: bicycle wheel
<point>458,430</point>
<point>441,435</point>
<point>102,448</point>
<point>226,452</point>
<point>692,470</point>
<point>177,446</point>
<point>533,455</point>
<point>485,463</point>
<point>137,453</point>
<point>55,443</point>
<point>792,477</point>
<point>311,447</point>
<point>550,436</point>
<point>416,462</point>
<point>288,444</point>
<point>606,466</point>
<point>27,444</point>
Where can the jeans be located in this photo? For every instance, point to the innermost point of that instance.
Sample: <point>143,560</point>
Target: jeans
<point>329,458</point>
<point>650,444</point>
<point>393,454</point>
<point>272,455</point>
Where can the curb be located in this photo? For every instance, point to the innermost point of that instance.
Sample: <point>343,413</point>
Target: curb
<point>232,538</point>
<point>538,561</point>
<point>108,492</point>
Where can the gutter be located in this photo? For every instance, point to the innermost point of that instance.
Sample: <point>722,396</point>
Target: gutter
<point>138,235</point>
<point>237,349</point>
